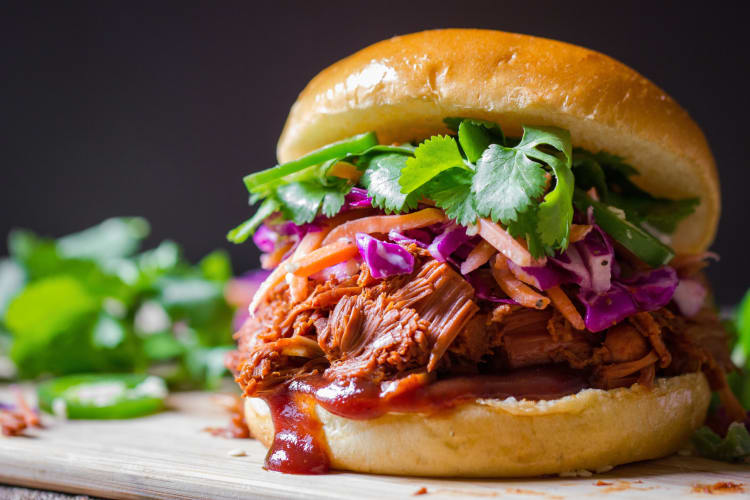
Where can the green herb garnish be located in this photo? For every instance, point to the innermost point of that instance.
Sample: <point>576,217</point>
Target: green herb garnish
<point>526,184</point>
<point>91,302</point>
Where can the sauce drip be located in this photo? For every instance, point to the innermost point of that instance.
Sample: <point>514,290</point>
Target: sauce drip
<point>299,443</point>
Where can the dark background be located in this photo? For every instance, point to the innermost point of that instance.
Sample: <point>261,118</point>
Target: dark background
<point>159,108</point>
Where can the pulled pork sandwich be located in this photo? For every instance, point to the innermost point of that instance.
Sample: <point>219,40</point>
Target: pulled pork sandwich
<point>485,254</point>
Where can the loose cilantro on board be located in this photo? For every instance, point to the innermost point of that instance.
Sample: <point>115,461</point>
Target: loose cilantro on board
<point>92,302</point>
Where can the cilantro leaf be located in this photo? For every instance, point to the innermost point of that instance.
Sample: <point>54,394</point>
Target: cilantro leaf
<point>526,227</point>
<point>114,237</point>
<point>611,177</point>
<point>473,139</point>
<point>589,173</point>
<point>660,213</point>
<point>507,182</point>
<point>451,191</point>
<point>493,128</point>
<point>242,232</point>
<point>436,154</point>
<point>300,201</point>
<point>556,211</point>
<point>734,446</point>
<point>381,179</point>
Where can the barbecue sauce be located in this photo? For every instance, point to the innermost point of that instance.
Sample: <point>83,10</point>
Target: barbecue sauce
<point>299,445</point>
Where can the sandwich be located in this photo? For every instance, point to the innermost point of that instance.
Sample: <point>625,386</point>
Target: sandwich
<point>485,254</point>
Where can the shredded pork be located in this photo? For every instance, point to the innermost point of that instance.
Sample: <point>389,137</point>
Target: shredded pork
<point>431,322</point>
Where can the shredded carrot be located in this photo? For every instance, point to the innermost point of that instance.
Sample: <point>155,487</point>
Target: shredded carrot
<point>323,257</point>
<point>480,255</point>
<point>563,304</point>
<point>275,278</point>
<point>298,284</point>
<point>506,244</point>
<point>272,259</point>
<point>385,223</point>
<point>345,170</point>
<point>579,231</point>
<point>516,290</point>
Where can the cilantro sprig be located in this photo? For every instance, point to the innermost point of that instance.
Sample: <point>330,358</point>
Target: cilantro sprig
<point>508,184</point>
<point>527,185</point>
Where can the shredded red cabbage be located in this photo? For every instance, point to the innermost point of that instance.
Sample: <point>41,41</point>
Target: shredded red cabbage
<point>542,277</point>
<point>572,262</point>
<point>265,238</point>
<point>652,290</point>
<point>606,309</point>
<point>645,291</point>
<point>357,198</point>
<point>384,259</point>
<point>485,287</point>
<point>340,271</point>
<point>447,242</point>
<point>689,296</point>
<point>269,234</point>
<point>598,254</point>
<point>417,236</point>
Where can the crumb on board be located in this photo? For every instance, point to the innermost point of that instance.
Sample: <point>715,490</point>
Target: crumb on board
<point>237,453</point>
<point>719,488</point>
<point>522,491</point>
<point>576,473</point>
<point>420,491</point>
<point>622,485</point>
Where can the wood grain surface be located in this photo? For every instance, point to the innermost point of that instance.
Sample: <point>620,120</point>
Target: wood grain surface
<point>169,456</point>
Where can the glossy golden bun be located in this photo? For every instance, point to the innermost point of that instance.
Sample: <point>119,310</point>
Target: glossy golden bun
<point>591,430</point>
<point>402,88</point>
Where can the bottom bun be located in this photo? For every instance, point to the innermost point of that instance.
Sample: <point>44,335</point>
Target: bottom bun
<point>592,430</point>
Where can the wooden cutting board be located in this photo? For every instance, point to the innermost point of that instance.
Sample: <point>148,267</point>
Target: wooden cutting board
<point>169,456</point>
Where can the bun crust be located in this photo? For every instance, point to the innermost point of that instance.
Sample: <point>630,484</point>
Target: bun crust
<point>402,88</point>
<point>503,438</point>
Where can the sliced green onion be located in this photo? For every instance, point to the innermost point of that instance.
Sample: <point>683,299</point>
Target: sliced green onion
<point>647,248</point>
<point>351,146</point>
<point>95,396</point>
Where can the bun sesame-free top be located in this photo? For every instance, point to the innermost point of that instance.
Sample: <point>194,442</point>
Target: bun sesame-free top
<point>402,88</point>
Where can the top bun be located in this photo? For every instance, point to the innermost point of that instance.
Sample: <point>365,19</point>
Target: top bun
<point>402,89</point>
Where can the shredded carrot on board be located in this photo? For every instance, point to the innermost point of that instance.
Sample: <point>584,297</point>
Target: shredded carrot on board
<point>272,259</point>
<point>298,284</point>
<point>579,231</point>
<point>516,290</point>
<point>385,223</point>
<point>323,257</point>
<point>563,304</point>
<point>507,244</point>
<point>30,416</point>
<point>479,256</point>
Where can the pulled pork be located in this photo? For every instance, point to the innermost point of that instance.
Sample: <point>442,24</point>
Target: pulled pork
<point>431,322</point>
